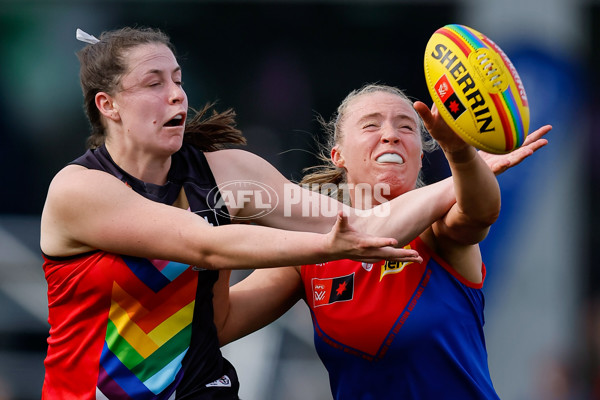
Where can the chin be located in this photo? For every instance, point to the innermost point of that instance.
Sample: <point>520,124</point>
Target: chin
<point>397,186</point>
<point>168,149</point>
<point>175,143</point>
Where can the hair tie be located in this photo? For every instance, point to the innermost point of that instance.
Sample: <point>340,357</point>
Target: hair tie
<point>86,37</point>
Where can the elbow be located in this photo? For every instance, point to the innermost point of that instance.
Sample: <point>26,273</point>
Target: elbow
<point>485,215</point>
<point>215,260</point>
<point>472,229</point>
<point>489,218</point>
<point>494,212</point>
<point>209,262</point>
<point>212,263</point>
<point>483,222</point>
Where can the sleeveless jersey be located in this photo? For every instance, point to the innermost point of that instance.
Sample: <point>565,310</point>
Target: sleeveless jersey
<point>126,327</point>
<point>399,330</point>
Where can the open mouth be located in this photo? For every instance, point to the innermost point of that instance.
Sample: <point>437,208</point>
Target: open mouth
<point>175,121</point>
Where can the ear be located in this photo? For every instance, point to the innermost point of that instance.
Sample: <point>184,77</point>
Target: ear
<point>337,158</point>
<point>107,106</point>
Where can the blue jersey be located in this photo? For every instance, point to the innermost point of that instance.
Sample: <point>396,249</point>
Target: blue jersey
<point>399,330</point>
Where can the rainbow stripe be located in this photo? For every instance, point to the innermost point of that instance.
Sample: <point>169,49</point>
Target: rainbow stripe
<point>463,38</point>
<point>512,122</point>
<point>148,330</point>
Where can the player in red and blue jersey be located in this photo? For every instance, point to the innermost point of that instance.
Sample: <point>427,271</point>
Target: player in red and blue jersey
<point>390,330</point>
<point>399,330</point>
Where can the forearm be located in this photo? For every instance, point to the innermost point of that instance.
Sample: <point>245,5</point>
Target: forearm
<point>250,246</point>
<point>408,215</point>
<point>476,188</point>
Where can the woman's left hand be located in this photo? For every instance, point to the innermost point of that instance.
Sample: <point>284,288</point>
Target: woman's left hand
<point>499,163</point>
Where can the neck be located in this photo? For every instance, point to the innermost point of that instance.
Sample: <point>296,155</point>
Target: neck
<point>141,165</point>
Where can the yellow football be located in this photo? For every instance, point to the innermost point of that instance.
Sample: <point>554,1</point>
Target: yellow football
<point>476,89</point>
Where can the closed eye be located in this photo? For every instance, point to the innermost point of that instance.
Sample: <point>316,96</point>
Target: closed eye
<point>410,128</point>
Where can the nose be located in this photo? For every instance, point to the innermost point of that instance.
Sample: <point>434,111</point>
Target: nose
<point>389,135</point>
<point>176,94</point>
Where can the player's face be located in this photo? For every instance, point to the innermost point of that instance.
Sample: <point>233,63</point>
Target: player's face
<point>380,143</point>
<point>152,104</point>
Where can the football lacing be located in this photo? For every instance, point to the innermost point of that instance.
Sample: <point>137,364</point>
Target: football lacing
<point>488,64</point>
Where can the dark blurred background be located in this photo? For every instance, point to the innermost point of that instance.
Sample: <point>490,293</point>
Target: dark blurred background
<point>278,64</point>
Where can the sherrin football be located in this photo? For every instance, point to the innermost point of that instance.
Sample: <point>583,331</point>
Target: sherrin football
<point>476,89</point>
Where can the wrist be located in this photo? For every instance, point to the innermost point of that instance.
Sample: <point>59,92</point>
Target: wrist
<point>325,250</point>
<point>460,155</point>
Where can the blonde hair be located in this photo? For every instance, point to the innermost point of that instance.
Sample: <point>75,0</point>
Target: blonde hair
<point>327,172</point>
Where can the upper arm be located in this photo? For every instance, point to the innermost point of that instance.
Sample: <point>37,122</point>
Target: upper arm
<point>89,209</point>
<point>264,196</point>
<point>456,238</point>
<point>465,259</point>
<point>258,300</point>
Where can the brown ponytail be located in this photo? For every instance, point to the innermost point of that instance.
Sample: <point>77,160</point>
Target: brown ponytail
<point>214,131</point>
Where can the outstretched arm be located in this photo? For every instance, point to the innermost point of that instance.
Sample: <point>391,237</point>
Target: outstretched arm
<point>456,236</point>
<point>87,210</point>
<point>297,208</point>
<point>477,192</point>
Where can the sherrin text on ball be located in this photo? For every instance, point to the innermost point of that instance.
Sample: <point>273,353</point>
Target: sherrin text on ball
<point>476,89</point>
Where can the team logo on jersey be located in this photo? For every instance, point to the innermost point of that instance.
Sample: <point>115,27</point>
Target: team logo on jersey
<point>223,381</point>
<point>392,267</point>
<point>331,290</point>
<point>367,266</point>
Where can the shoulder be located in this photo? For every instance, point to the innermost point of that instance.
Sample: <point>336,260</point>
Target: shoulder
<point>234,156</point>
<point>219,159</point>
<point>73,178</point>
<point>68,179</point>
<point>236,164</point>
<point>69,190</point>
<point>75,187</point>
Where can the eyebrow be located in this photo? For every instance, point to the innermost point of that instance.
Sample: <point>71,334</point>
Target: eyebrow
<point>400,117</point>
<point>368,116</point>
<point>160,71</point>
